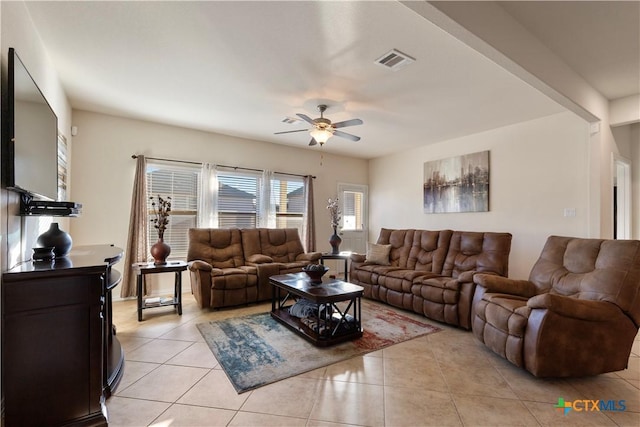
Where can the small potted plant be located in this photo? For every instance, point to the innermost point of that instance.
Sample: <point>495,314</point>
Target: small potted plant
<point>161,210</point>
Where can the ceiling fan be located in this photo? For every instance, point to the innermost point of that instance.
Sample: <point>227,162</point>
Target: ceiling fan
<point>322,129</point>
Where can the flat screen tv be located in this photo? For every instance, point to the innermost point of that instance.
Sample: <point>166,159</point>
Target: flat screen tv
<point>30,148</point>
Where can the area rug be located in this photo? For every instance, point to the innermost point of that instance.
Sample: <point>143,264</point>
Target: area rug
<point>256,350</point>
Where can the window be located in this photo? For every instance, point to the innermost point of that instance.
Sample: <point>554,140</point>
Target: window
<point>238,204</point>
<point>287,194</point>
<point>63,177</point>
<point>352,213</point>
<point>181,184</point>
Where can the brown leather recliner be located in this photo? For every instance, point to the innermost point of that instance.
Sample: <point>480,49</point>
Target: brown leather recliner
<point>577,315</point>
<point>219,274</point>
<point>274,251</point>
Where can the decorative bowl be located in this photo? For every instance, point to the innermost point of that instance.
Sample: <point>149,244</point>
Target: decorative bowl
<point>315,273</point>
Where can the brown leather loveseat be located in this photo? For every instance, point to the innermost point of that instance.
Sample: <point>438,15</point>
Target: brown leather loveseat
<point>578,314</point>
<point>431,272</point>
<point>231,267</point>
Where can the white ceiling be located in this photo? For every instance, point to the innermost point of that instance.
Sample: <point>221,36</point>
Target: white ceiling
<point>240,68</point>
<point>600,40</point>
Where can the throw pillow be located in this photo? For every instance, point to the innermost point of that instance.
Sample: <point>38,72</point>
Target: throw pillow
<point>378,254</point>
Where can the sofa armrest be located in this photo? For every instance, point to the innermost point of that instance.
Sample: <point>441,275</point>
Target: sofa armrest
<point>200,274</point>
<point>309,256</point>
<point>199,265</point>
<point>358,258</point>
<point>467,276</point>
<point>504,285</point>
<point>596,311</point>
<point>259,259</point>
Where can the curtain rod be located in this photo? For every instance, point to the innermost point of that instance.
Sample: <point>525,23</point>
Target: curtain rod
<point>135,156</point>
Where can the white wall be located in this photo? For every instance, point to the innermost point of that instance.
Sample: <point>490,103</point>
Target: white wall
<point>629,137</point>
<point>19,33</point>
<point>488,28</point>
<point>537,169</point>
<point>103,169</point>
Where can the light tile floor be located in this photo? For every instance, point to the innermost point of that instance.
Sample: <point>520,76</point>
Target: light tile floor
<point>445,379</point>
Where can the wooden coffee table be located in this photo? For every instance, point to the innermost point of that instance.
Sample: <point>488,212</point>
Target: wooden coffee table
<point>327,326</point>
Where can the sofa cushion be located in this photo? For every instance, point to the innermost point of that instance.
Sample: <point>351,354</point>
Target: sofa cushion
<point>401,242</point>
<point>221,248</point>
<point>280,244</point>
<point>443,290</point>
<point>429,250</point>
<point>378,254</point>
<point>478,252</point>
<point>507,313</point>
<point>591,269</point>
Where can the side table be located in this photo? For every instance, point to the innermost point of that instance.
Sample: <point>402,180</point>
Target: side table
<point>341,255</point>
<point>142,269</point>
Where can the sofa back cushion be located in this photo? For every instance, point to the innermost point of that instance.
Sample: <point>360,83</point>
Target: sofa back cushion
<point>400,241</point>
<point>222,248</point>
<point>476,251</point>
<point>591,269</point>
<point>280,244</point>
<point>429,250</point>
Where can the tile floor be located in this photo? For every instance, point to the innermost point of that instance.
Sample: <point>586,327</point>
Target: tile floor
<point>444,379</point>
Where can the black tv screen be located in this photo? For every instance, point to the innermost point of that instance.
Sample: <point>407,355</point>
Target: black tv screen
<point>32,147</point>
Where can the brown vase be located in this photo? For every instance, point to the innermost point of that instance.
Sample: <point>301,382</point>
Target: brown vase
<point>160,252</point>
<point>335,241</point>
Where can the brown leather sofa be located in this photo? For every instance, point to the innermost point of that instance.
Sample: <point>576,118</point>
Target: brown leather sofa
<point>273,252</point>
<point>230,267</point>
<point>578,313</point>
<point>431,272</point>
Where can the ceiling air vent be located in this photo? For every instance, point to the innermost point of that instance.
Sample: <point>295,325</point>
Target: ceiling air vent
<point>394,60</point>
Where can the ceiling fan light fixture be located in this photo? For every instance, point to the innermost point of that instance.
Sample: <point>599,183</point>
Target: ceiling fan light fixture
<point>321,135</point>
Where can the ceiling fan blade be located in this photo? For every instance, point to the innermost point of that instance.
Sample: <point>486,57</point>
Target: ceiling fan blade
<point>346,123</point>
<point>346,135</point>
<point>306,118</point>
<point>291,131</point>
<point>312,142</point>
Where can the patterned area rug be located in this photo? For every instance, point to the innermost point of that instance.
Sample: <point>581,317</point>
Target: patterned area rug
<point>256,350</point>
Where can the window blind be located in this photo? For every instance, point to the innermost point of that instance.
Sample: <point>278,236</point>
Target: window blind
<point>181,184</point>
<point>238,204</point>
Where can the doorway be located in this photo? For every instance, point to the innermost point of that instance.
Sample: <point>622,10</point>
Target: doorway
<point>354,231</point>
<point>621,198</point>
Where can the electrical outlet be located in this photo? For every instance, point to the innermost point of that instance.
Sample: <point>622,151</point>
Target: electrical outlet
<point>569,212</point>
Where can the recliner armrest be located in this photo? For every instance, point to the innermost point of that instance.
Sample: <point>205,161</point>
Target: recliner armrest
<point>504,285</point>
<point>259,259</point>
<point>358,257</point>
<point>466,276</point>
<point>309,256</point>
<point>199,265</point>
<point>576,308</point>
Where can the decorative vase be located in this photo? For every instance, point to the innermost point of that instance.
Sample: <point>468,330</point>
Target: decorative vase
<point>160,252</point>
<point>335,241</point>
<point>58,239</point>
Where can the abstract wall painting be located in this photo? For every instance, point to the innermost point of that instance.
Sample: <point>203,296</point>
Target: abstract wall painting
<point>457,184</point>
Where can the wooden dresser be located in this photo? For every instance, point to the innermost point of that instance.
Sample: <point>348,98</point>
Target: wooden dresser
<point>60,356</point>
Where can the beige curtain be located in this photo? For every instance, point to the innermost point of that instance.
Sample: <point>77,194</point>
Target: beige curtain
<point>137,247</point>
<point>308,227</point>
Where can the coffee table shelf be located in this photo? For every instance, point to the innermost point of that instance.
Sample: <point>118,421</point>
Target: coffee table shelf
<point>343,325</point>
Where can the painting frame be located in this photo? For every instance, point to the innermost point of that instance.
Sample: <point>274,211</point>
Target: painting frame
<point>458,184</point>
